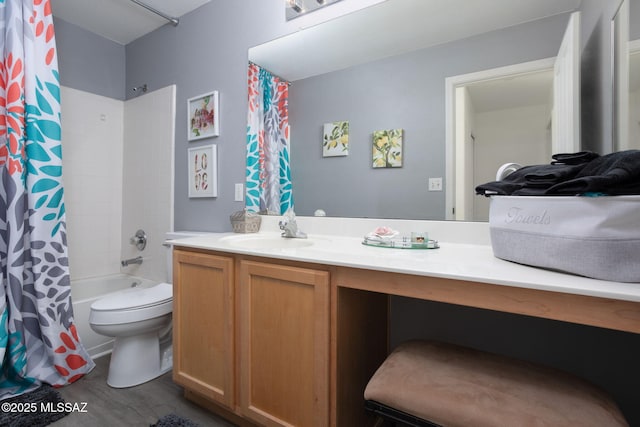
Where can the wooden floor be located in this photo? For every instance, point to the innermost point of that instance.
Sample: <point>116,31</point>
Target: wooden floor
<point>142,405</point>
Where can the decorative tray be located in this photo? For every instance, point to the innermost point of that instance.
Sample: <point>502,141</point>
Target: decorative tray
<point>401,243</point>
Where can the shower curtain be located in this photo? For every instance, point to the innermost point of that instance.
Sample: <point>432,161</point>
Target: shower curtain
<point>38,340</point>
<point>268,178</point>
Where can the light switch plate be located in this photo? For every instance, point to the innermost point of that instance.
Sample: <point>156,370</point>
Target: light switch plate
<point>435,184</point>
<point>239,194</point>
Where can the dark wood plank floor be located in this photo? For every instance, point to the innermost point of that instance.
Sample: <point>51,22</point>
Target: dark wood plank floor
<point>142,405</point>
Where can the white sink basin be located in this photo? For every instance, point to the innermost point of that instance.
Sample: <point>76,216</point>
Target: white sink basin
<point>267,242</point>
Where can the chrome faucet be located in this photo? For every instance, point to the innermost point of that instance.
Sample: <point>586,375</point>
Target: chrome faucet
<point>127,262</point>
<point>289,226</point>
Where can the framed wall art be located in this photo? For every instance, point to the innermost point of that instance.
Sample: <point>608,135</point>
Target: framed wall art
<point>203,116</point>
<point>335,139</point>
<point>203,171</point>
<point>387,148</point>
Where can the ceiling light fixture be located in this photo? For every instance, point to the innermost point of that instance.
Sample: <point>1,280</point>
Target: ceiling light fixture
<point>297,8</point>
<point>293,4</point>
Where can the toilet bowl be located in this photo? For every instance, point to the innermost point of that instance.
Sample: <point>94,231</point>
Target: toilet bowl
<point>140,321</point>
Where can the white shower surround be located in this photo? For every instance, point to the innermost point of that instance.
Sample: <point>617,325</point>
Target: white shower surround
<point>92,141</point>
<point>118,176</point>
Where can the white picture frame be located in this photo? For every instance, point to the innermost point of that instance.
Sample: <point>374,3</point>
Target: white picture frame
<point>203,116</point>
<point>203,171</point>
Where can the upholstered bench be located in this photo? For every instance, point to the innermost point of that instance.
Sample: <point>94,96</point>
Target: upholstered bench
<point>432,383</point>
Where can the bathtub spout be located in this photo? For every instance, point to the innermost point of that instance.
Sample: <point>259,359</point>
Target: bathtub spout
<point>127,262</point>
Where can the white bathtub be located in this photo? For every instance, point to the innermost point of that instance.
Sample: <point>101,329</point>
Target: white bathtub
<point>84,292</point>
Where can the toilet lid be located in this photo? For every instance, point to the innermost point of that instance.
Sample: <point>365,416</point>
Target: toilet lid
<point>136,298</point>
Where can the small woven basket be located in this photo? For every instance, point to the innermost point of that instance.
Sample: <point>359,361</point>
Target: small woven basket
<point>245,222</point>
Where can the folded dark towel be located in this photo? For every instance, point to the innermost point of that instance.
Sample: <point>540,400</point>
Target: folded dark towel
<point>500,188</point>
<point>553,173</point>
<point>531,191</point>
<point>613,174</point>
<point>512,182</point>
<point>574,158</point>
<point>531,180</point>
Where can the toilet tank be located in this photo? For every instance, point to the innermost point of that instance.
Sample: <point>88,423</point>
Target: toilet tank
<point>172,235</point>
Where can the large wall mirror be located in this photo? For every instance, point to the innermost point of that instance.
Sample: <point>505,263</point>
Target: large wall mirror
<point>386,68</point>
<point>626,56</point>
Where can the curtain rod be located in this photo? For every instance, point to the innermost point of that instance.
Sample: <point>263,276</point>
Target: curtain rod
<point>171,19</point>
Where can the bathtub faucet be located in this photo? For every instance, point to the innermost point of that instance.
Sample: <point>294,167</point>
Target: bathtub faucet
<point>127,262</point>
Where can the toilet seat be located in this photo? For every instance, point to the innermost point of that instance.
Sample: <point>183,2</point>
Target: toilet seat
<point>134,305</point>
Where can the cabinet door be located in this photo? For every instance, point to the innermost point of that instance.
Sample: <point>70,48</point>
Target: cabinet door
<point>284,344</point>
<point>203,324</point>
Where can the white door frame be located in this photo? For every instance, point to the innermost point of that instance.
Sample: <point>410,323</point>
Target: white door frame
<point>565,122</point>
<point>624,110</point>
<point>451,83</point>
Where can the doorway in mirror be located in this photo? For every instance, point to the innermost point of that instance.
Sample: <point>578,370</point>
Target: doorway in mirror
<point>520,113</point>
<point>500,116</point>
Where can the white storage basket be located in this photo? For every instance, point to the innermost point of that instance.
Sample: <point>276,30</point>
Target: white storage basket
<point>597,237</point>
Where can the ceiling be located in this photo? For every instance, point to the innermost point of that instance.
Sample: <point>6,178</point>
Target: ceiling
<point>533,88</point>
<point>121,21</point>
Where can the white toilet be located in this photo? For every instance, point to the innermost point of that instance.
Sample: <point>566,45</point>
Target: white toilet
<point>140,321</point>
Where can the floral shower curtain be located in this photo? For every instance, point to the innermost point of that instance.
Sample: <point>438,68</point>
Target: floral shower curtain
<point>38,340</point>
<point>268,170</point>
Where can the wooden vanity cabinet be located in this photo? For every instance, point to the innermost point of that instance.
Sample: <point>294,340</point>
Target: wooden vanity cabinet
<point>283,344</point>
<point>252,337</point>
<point>203,325</point>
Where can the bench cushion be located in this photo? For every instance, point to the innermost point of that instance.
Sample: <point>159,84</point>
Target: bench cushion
<point>457,386</point>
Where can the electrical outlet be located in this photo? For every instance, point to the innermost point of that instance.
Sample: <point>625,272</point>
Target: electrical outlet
<point>435,184</point>
<point>239,192</point>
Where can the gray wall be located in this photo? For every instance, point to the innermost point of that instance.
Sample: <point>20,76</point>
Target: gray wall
<point>89,62</point>
<point>208,51</point>
<point>408,92</point>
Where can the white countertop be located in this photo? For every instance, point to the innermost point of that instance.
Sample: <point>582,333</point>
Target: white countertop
<point>453,260</point>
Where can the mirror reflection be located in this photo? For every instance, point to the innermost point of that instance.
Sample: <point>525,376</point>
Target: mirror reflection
<point>634,73</point>
<point>384,71</point>
<point>634,94</point>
